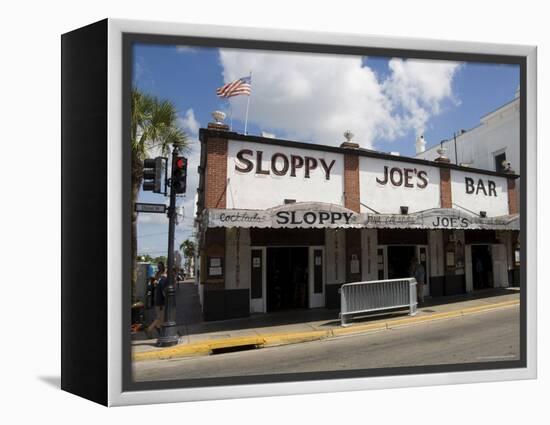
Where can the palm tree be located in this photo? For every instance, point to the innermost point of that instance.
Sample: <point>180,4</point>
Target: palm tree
<point>188,249</point>
<point>153,126</point>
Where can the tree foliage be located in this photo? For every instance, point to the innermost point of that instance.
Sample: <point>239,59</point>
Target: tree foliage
<point>154,127</point>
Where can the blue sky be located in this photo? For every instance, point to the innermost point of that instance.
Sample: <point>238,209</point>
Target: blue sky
<point>385,102</point>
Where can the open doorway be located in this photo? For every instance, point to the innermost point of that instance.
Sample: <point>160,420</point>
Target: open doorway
<point>482,267</point>
<point>287,278</point>
<point>399,261</point>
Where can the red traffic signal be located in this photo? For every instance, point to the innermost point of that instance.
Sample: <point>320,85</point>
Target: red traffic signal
<point>179,174</point>
<point>181,163</point>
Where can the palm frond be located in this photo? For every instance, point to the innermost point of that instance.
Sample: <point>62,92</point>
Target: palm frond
<point>154,123</point>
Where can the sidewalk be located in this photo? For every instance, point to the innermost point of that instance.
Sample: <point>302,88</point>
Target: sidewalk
<point>261,330</point>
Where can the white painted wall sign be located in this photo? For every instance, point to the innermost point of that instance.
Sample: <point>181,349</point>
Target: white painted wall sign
<point>386,185</point>
<point>262,176</point>
<point>480,192</point>
<point>297,215</point>
<point>319,215</point>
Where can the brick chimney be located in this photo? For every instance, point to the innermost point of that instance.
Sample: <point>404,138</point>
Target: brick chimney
<point>513,201</point>
<point>351,174</point>
<point>216,164</point>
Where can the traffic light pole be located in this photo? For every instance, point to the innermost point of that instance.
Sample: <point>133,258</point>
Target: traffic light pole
<point>169,334</point>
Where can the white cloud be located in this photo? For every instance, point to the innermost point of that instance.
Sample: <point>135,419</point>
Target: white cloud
<point>189,123</point>
<point>318,97</point>
<point>419,87</point>
<point>152,218</point>
<point>185,49</point>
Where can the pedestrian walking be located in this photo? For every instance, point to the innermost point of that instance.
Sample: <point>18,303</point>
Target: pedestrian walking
<point>161,280</point>
<point>150,298</point>
<point>419,273</point>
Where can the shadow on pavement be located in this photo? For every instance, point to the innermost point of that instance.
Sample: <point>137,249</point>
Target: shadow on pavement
<point>474,295</point>
<point>190,321</point>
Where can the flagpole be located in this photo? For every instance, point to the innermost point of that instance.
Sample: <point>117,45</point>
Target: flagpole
<point>247,105</point>
<point>230,115</point>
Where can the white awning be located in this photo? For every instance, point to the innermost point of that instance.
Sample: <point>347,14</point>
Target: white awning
<point>317,215</point>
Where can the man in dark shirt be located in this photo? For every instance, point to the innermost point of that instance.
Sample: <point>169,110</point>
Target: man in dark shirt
<point>417,271</point>
<point>161,279</point>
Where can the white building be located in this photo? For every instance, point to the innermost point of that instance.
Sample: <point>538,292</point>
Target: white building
<point>283,224</point>
<point>487,146</point>
<point>492,145</point>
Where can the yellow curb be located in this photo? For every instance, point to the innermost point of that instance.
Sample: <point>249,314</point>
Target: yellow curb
<point>292,338</point>
<point>205,347</point>
<point>450,314</point>
<point>489,306</point>
<point>360,328</point>
<point>421,319</point>
<point>234,342</point>
<point>169,353</point>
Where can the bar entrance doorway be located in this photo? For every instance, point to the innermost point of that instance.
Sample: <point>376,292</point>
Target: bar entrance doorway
<point>482,267</point>
<point>287,278</point>
<point>399,261</point>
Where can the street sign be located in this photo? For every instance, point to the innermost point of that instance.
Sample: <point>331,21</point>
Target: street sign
<point>150,208</point>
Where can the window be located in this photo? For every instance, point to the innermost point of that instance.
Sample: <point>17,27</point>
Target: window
<point>499,162</point>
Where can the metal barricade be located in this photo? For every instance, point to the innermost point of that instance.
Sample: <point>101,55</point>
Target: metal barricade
<point>377,295</point>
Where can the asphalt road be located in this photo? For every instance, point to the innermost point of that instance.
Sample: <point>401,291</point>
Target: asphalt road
<point>488,336</point>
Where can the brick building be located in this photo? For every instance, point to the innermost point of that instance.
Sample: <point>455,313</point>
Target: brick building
<point>282,224</point>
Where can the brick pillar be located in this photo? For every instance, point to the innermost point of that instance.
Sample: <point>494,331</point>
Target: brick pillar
<point>214,247</point>
<point>353,255</point>
<point>216,169</point>
<point>212,259</point>
<point>352,200</point>
<point>446,196</point>
<point>351,182</point>
<point>512,196</point>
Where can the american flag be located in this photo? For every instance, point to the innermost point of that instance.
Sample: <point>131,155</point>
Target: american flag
<point>240,86</point>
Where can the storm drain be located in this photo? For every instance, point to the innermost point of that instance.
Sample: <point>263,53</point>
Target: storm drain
<point>234,348</point>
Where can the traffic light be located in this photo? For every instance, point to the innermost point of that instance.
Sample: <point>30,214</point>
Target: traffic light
<point>179,174</point>
<point>153,173</point>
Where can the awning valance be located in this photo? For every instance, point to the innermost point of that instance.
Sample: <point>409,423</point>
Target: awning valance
<point>321,215</point>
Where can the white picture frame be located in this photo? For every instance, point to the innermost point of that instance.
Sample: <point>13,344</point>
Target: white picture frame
<point>117,394</point>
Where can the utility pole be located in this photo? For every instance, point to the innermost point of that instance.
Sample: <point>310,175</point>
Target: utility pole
<point>169,335</point>
<point>456,155</point>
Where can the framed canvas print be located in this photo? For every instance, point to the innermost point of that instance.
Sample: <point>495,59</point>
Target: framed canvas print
<point>249,212</point>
